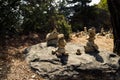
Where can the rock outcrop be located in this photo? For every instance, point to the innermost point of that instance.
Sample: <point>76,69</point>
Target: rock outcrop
<point>90,66</point>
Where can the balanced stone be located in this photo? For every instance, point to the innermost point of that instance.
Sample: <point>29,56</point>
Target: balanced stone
<point>61,46</point>
<point>52,38</point>
<point>60,52</point>
<point>85,31</point>
<point>91,46</point>
<point>102,32</point>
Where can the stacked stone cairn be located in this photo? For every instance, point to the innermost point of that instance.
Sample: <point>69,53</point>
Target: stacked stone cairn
<point>82,33</point>
<point>91,46</point>
<point>102,32</point>
<point>52,38</point>
<point>109,35</point>
<point>60,52</point>
<point>85,31</point>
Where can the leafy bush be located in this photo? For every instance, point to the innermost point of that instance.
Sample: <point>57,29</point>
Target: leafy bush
<point>63,26</point>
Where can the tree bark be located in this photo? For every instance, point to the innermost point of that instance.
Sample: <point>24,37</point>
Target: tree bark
<point>114,8</point>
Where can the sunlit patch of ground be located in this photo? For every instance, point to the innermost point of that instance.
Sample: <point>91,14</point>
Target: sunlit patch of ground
<point>20,70</point>
<point>102,42</point>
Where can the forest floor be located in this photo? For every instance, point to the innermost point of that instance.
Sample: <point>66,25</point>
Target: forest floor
<point>12,61</point>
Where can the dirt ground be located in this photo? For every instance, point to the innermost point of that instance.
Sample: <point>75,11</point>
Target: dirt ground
<point>103,43</point>
<point>12,60</point>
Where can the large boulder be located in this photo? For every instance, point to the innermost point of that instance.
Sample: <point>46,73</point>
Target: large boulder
<point>91,66</point>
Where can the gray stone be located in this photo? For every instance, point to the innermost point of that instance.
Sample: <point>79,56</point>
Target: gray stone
<point>91,46</point>
<point>90,66</point>
<point>52,38</point>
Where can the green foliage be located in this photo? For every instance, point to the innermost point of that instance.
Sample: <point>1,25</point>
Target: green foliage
<point>36,15</point>
<point>9,17</point>
<point>43,17</point>
<point>103,5</point>
<point>103,14</point>
<point>80,13</point>
<point>63,26</point>
<point>24,16</point>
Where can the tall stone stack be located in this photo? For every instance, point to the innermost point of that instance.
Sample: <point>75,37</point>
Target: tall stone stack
<point>102,32</point>
<point>85,31</point>
<point>61,52</point>
<point>109,35</point>
<point>91,46</point>
<point>61,44</point>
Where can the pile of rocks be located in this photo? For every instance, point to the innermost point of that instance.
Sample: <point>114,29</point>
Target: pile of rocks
<point>57,60</point>
<point>87,66</point>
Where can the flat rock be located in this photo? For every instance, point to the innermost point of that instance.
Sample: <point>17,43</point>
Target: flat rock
<point>87,66</point>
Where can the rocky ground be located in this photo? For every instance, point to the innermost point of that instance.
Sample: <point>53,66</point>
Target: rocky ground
<point>13,65</point>
<point>99,65</point>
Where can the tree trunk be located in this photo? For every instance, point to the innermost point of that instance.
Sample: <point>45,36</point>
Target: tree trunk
<point>114,8</point>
